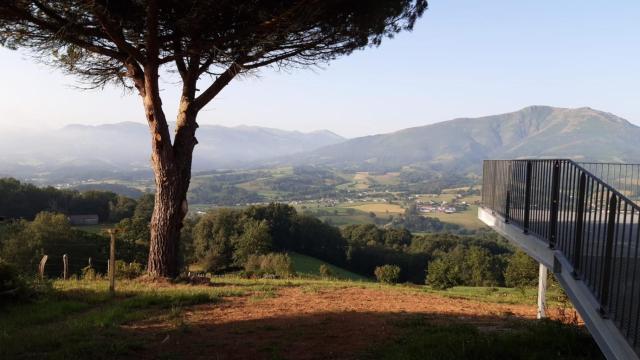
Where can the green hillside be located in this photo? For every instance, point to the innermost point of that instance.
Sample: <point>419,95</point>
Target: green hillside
<point>309,266</point>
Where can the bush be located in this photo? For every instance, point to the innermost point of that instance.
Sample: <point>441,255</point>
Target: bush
<point>325,271</point>
<point>128,271</point>
<point>388,274</point>
<point>13,286</point>
<point>214,262</point>
<point>89,273</point>
<point>253,264</point>
<point>274,264</point>
<point>522,271</point>
<point>442,274</point>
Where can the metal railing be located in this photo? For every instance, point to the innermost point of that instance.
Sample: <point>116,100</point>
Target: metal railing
<point>623,177</point>
<point>593,223</point>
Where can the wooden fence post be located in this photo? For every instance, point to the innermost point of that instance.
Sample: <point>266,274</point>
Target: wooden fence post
<point>65,267</point>
<point>112,262</point>
<point>43,262</point>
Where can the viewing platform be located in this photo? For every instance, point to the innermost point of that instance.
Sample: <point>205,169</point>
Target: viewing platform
<point>580,220</point>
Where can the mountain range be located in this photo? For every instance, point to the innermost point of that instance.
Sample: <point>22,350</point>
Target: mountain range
<point>457,145</point>
<point>582,134</point>
<point>104,150</point>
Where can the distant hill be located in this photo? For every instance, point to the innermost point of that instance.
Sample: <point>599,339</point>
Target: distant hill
<point>81,152</point>
<point>462,144</point>
<point>122,150</point>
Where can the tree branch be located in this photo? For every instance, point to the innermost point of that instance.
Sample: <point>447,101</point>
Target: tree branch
<point>114,31</point>
<point>214,89</point>
<point>62,33</point>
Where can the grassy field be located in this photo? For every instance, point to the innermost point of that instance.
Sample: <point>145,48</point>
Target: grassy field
<point>380,209</point>
<point>236,318</point>
<point>84,319</point>
<point>468,218</point>
<point>338,215</point>
<point>310,267</point>
<point>518,340</point>
<point>502,295</point>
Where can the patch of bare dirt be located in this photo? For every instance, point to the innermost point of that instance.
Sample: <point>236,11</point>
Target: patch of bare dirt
<point>326,324</point>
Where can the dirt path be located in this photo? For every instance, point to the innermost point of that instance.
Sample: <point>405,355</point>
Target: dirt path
<point>324,324</point>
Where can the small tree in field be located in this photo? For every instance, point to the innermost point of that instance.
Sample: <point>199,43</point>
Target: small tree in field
<point>388,274</point>
<point>207,43</point>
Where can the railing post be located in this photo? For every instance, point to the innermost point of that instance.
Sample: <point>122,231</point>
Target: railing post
<point>577,246</point>
<point>555,204</point>
<point>608,257</point>
<point>527,198</point>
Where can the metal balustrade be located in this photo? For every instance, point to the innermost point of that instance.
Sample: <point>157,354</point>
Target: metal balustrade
<point>585,211</point>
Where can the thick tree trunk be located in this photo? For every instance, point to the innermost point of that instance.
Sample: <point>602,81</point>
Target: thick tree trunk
<point>172,171</point>
<point>166,222</point>
<point>172,162</point>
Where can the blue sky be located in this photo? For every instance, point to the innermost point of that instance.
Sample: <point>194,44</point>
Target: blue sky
<point>465,58</point>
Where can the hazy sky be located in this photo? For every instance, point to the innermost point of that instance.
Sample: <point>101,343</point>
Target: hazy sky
<point>464,58</point>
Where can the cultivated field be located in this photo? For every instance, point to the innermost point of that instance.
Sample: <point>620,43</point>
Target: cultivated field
<point>468,218</point>
<point>233,318</point>
<point>380,209</point>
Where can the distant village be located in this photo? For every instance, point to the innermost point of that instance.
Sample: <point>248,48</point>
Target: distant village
<point>433,206</point>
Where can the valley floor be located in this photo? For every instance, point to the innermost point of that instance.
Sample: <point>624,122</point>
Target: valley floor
<point>233,318</point>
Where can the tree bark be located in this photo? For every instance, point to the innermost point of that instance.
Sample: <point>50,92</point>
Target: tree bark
<point>172,171</point>
<point>165,225</point>
<point>171,163</point>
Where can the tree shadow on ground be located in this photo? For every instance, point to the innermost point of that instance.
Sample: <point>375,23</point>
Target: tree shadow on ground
<point>363,335</point>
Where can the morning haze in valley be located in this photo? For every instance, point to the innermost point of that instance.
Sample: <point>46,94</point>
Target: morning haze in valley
<point>390,179</point>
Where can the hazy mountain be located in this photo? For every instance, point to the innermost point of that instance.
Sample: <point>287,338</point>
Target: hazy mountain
<point>81,151</point>
<point>462,144</point>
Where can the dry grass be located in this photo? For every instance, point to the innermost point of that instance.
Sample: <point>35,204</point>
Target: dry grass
<point>235,318</point>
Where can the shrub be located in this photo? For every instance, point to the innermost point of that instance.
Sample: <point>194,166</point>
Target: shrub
<point>443,274</point>
<point>325,271</point>
<point>128,271</point>
<point>89,273</point>
<point>14,287</point>
<point>522,271</point>
<point>388,274</point>
<point>215,262</point>
<point>278,264</point>
<point>274,264</point>
<point>252,265</point>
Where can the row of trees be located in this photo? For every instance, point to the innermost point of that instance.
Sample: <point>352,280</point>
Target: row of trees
<point>24,201</point>
<point>23,243</point>
<point>225,239</point>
